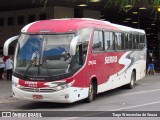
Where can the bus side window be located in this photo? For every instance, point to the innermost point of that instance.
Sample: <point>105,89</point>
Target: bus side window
<point>130,41</point>
<point>118,41</point>
<point>141,44</point>
<point>126,41</point>
<point>97,44</point>
<point>137,41</point>
<point>84,34</point>
<point>134,42</point>
<point>123,40</point>
<point>109,44</point>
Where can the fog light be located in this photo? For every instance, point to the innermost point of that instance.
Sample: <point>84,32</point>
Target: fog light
<point>67,96</point>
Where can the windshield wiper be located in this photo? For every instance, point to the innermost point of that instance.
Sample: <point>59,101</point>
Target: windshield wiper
<point>29,66</point>
<point>46,64</point>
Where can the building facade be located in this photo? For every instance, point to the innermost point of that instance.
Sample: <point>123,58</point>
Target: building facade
<point>11,22</point>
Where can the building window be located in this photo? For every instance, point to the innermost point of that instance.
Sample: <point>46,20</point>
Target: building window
<point>20,20</point>
<point>1,21</point>
<point>10,21</point>
<point>43,16</point>
<point>31,18</point>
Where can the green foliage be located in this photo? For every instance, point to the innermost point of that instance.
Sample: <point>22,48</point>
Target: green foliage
<point>116,3</point>
<point>41,1</point>
<point>121,4</point>
<point>156,3</point>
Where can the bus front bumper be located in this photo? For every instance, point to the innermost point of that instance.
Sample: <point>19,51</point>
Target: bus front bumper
<point>68,95</point>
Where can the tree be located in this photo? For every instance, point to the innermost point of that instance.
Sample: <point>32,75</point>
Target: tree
<point>117,3</point>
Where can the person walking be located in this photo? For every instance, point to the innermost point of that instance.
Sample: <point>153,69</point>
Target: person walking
<point>2,66</point>
<point>150,64</point>
<point>9,68</point>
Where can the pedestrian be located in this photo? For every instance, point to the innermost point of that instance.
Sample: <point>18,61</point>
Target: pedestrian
<point>9,67</point>
<point>150,64</point>
<point>2,66</point>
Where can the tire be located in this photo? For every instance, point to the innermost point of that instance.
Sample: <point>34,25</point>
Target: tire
<point>91,93</point>
<point>132,81</point>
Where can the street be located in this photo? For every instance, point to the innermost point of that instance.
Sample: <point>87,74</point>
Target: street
<point>143,97</point>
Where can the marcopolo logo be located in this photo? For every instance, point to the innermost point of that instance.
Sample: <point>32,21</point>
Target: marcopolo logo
<point>110,59</point>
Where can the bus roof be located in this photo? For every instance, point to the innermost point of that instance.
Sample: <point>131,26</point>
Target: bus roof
<point>128,29</point>
<point>72,25</point>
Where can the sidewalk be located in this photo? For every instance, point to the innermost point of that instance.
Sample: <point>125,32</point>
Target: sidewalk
<point>5,91</point>
<point>5,88</point>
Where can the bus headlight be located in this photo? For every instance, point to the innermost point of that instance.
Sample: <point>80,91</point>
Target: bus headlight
<point>60,87</point>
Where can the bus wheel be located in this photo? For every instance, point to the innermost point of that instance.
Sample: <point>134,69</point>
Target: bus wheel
<point>91,93</point>
<point>132,81</point>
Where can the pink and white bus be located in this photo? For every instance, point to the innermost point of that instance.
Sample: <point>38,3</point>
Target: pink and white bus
<point>66,60</point>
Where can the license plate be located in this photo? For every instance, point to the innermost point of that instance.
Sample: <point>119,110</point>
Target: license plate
<point>37,97</point>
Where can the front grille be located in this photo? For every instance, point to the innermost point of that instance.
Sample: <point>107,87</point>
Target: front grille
<point>45,90</point>
<point>28,89</point>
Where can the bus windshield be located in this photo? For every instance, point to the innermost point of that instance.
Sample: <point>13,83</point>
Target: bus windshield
<point>45,55</point>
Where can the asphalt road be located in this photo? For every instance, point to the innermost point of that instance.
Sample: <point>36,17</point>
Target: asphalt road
<point>144,97</point>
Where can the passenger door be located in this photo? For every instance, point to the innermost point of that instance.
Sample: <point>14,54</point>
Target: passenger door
<point>98,57</point>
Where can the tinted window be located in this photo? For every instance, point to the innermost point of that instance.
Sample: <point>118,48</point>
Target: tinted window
<point>126,41</point>
<point>141,41</point>
<point>84,42</point>
<point>109,41</point>
<point>134,42</point>
<point>137,41</point>
<point>118,41</point>
<point>97,41</point>
<point>123,41</point>
<point>130,41</point>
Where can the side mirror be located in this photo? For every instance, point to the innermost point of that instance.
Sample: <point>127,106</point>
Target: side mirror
<point>73,45</point>
<point>7,43</point>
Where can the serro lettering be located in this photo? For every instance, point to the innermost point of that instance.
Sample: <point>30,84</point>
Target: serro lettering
<point>110,59</point>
